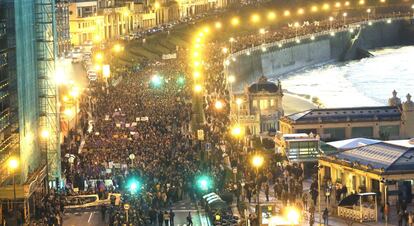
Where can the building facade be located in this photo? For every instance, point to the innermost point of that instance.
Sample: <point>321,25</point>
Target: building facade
<point>395,121</point>
<point>259,107</point>
<point>84,22</point>
<point>62,26</point>
<point>386,168</point>
<point>25,28</point>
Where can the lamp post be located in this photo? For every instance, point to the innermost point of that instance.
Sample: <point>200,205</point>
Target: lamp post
<point>412,7</point>
<point>132,157</point>
<point>257,162</point>
<point>231,40</point>
<point>231,79</point>
<point>368,13</point>
<point>13,164</point>
<point>330,22</point>
<point>345,15</point>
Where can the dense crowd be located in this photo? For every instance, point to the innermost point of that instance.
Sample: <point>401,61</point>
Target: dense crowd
<point>141,132</point>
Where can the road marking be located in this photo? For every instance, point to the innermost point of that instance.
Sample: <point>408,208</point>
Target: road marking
<point>90,217</point>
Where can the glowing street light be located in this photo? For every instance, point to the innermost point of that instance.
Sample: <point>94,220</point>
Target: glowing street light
<point>314,9</point>
<point>13,164</point>
<point>231,79</point>
<point>271,16</point>
<point>235,21</point>
<point>338,5</point>
<point>236,131</point>
<point>218,25</point>
<point>286,13</point>
<point>196,75</point>
<point>345,15</point>
<point>347,3</point>
<point>330,22</point>
<point>118,48</point>
<point>325,6</point>
<point>368,13</point>
<point>45,134</point>
<point>198,88</point>
<point>301,11</point>
<point>68,112</point>
<point>225,50</point>
<point>99,57</point>
<point>157,5</point>
<point>239,101</point>
<point>257,161</point>
<point>255,18</point>
<point>218,105</point>
<point>361,2</point>
<point>293,216</point>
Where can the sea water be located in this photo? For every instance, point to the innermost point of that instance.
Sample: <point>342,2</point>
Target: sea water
<point>365,82</point>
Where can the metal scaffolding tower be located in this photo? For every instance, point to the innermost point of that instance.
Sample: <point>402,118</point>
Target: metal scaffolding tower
<point>49,126</point>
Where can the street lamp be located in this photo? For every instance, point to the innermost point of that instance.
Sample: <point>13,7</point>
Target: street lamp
<point>218,105</point>
<point>368,12</point>
<point>236,131</point>
<point>235,21</point>
<point>13,165</point>
<point>412,7</point>
<point>257,162</point>
<point>271,16</point>
<point>345,15</point>
<point>255,18</point>
<point>330,22</point>
<point>218,25</point>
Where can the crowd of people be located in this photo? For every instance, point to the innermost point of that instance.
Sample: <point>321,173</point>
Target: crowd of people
<point>140,131</point>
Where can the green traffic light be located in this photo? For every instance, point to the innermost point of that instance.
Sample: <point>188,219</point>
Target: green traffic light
<point>156,81</point>
<point>181,80</point>
<point>133,186</point>
<point>204,183</point>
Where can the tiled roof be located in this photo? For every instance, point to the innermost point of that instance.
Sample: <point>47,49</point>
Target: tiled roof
<point>384,113</point>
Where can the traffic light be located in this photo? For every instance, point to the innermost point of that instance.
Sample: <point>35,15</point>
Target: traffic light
<point>156,81</point>
<point>181,80</point>
<point>133,185</point>
<point>204,183</point>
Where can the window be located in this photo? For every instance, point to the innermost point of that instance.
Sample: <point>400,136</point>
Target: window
<point>272,102</point>
<point>263,104</point>
<point>334,133</point>
<point>387,132</point>
<point>366,132</point>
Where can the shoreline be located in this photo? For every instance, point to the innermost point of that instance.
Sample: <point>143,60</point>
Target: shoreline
<point>293,103</point>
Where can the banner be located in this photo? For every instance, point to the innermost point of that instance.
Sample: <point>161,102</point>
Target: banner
<point>169,56</point>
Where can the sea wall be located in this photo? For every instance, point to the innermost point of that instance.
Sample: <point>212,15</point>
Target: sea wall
<point>279,58</point>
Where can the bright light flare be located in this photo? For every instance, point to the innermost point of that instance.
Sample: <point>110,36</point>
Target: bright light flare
<point>255,18</point>
<point>198,88</point>
<point>218,25</point>
<point>218,105</point>
<point>235,21</point>
<point>231,79</point>
<point>293,215</point>
<point>271,16</point>
<point>325,6</point>
<point>286,13</point>
<point>236,131</point>
<point>314,9</point>
<point>301,11</point>
<point>257,161</point>
<point>13,163</point>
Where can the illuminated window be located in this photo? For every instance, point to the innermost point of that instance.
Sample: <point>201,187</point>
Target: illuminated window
<point>263,104</point>
<point>272,102</point>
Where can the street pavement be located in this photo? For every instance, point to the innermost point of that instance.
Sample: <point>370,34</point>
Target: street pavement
<point>333,220</point>
<point>93,217</point>
<point>83,217</point>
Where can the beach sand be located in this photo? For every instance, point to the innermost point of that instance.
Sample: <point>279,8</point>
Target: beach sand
<point>293,104</point>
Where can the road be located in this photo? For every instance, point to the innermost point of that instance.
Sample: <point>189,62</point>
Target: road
<point>93,217</point>
<point>72,72</point>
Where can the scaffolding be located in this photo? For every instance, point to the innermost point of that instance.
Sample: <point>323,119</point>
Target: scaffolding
<point>46,50</point>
